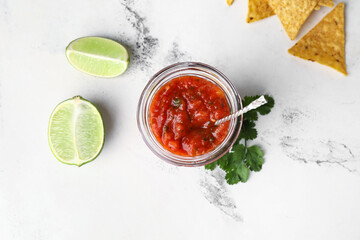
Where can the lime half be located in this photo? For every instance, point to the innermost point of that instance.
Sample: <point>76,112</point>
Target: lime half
<point>76,131</point>
<point>98,56</point>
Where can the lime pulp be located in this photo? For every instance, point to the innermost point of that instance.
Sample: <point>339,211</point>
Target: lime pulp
<point>76,131</point>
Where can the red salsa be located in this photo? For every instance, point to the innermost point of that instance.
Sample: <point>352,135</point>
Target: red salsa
<point>183,113</point>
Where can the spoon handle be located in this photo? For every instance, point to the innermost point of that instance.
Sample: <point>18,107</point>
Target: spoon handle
<point>253,105</point>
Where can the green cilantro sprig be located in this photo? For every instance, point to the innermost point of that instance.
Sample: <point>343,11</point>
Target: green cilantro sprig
<point>242,158</point>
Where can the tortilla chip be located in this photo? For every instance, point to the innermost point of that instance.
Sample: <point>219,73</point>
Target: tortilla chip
<point>326,3</point>
<point>229,2</point>
<point>325,43</point>
<point>258,9</point>
<point>293,13</point>
<point>273,3</point>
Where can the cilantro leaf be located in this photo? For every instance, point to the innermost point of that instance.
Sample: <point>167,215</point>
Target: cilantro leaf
<point>233,164</point>
<point>224,161</point>
<point>263,110</point>
<point>242,159</point>
<point>241,173</point>
<point>266,108</point>
<point>254,158</point>
<point>211,166</point>
<point>232,178</point>
<point>239,150</point>
<point>236,157</point>
<point>248,131</point>
<point>251,115</point>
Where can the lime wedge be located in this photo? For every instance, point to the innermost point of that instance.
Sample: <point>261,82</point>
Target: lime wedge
<point>98,56</point>
<point>76,131</point>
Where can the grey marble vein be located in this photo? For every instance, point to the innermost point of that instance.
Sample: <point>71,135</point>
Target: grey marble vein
<point>292,115</point>
<point>321,152</point>
<point>214,189</point>
<point>175,54</point>
<point>146,45</point>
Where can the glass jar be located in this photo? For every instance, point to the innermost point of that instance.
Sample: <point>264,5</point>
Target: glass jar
<point>188,69</point>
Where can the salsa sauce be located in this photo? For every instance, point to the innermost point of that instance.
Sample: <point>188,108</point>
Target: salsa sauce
<point>183,113</point>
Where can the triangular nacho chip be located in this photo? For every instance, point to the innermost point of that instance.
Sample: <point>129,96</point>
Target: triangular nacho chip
<point>229,2</point>
<point>258,9</point>
<point>325,43</point>
<point>293,13</point>
<point>326,3</point>
<point>273,3</point>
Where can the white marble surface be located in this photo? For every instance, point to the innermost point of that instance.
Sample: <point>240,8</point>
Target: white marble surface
<point>309,187</point>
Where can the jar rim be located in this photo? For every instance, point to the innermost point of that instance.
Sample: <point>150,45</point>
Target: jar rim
<point>185,69</point>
